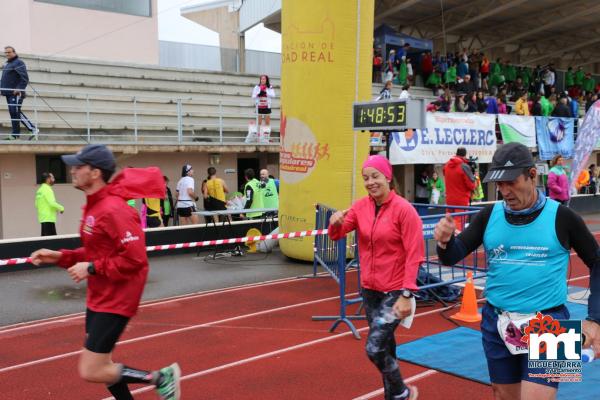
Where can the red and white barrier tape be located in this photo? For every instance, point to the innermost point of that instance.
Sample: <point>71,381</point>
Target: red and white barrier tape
<point>315,232</point>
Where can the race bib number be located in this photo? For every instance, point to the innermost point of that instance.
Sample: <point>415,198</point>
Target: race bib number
<point>511,327</point>
<point>263,102</point>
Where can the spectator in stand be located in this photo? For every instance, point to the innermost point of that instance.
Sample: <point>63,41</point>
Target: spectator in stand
<point>462,69</point>
<point>481,104</point>
<point>574,106</point>
<point>435,185</point>
<point>388,73</point>
<point>484,69</point>
<point>472,102</point>
<point>591,100</point>
<point>549,79</point>
<point>467,85</point>
<point>562,109</point>
<point>521,106</point>
<point>558,181</point>
<point>386,92</point>
<point>569,78</point>
<point>589,84</point>
<point>474,65</point>
<point>450,77</point>
<point>404,95</point>
<point>496,76</point>
<point>262,95</point>
<point>377,64</point>
<point>402,72</point>
<point>510,75</point>
<point>536,109</point>
<point>403,51</point>
<point>579,77</point>
<point>460,182</point>
<point>518,89</point>
<point>434,106</point>
<point>546,106</point>
<point>13,82</point>
<point>460,104</point>
<point>502,107</point>
<point>410,72</point>
<point>434,82</point>
<point>491,101</point>
<point>47,206</point>
<point>446,101</point>
<point>426,66</point>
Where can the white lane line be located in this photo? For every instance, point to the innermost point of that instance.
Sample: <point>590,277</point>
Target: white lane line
<point>151,303</point>
<point>274,353</point>
<point>410,379</point>
<point>171,332</point>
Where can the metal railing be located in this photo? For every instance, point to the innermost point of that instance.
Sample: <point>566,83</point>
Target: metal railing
<point>67,117</point>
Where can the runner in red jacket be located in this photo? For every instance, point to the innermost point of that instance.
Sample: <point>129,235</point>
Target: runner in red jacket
<point>391,249</point>
<point>460,182</point>
<point>113,259</point>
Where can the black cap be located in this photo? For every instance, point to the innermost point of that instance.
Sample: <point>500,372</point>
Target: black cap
<point>508,163</point>
<point>95,155</point>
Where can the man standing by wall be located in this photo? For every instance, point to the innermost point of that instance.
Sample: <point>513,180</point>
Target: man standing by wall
<point>13,83</point>
<point>460,182</point>
<point>269,190</point>
<point>46,205</point>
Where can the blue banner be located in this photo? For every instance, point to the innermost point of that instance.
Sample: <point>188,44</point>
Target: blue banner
<point>554,136</point>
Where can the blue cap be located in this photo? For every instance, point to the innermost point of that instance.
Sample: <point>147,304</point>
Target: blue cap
<point>95,155</point>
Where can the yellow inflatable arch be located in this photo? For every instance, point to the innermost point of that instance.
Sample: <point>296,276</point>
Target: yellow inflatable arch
<point>326,55</point>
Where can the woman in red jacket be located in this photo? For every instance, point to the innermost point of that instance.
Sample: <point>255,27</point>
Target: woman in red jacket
<point>391,248</point>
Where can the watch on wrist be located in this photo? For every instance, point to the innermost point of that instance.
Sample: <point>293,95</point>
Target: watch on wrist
<point>407,294</point>
<point>91,269</point>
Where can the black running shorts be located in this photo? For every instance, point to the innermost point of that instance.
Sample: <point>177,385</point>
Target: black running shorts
<point>103,330</point>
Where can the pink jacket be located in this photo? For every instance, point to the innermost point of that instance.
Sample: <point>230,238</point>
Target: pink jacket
<point>390,246</point>
<point>558,186</point>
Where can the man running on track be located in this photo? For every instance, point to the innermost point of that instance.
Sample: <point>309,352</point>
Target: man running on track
<point>527,239</point>
<point>113,259</point>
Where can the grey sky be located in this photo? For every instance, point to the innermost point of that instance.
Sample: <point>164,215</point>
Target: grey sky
<point>173,27</point>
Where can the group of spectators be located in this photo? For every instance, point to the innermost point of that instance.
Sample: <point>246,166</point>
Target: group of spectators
<point>467,81</point>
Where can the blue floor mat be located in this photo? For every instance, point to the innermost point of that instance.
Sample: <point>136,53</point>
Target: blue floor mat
<point>459,352</point>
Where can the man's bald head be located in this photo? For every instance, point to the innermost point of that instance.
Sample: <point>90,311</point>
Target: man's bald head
<point>264,174</point>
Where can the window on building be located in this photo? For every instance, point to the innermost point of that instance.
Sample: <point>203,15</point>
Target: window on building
<point>134,7</point>
<point>53,164</point>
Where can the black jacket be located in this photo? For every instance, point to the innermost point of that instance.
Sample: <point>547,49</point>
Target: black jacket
<point>14,76</point>
<point>562,110</point>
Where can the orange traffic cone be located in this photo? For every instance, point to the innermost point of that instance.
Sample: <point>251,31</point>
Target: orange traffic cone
<point>468,308</point>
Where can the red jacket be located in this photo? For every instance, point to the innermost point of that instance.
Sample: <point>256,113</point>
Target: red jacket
<point>460,181</point>
<point>391,245</point>
<point>112,238</point>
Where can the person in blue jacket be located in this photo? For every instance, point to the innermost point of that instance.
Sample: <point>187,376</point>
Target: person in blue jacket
<point>12,86</point>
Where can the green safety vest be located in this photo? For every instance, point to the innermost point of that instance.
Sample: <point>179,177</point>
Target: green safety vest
<point>46,204</point>
<point>257,197</point>
<point>270,195</point>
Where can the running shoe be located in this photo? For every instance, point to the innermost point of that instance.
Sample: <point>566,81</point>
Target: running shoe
<point>168,387</point>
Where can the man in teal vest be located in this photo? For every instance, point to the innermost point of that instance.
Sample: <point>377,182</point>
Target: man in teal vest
<point>269,190</point>
<point>46,205</point>
<point>253,192</point>
<point>527,239</point>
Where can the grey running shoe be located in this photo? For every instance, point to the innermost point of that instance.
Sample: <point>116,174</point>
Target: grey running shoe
<point>168,389</point>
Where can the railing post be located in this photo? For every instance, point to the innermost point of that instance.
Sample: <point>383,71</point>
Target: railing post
<point>220,122</point>
<point>179,122</point>
<point>87,116</point>
<point>35,114</point>
<point>135,120</point>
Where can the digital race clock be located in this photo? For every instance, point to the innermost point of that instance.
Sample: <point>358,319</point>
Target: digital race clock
<point>383,115</point>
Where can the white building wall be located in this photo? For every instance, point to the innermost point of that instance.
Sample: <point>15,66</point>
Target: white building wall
<point>50,29</point>
<point>253,12</point>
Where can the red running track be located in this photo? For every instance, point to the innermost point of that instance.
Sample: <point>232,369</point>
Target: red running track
<point>251,342</point>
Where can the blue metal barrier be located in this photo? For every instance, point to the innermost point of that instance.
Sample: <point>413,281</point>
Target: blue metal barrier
<point>332,256</point>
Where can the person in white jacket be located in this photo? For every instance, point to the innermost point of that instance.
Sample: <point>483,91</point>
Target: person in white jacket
<point>262,94</point>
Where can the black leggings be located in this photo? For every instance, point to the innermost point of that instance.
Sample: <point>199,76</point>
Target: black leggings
<point>381,344</point>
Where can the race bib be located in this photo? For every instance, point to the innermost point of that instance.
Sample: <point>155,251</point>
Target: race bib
<point>263,102</point>
<point>511,327</point>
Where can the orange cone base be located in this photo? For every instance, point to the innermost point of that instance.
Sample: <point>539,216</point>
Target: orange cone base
<point>466,317</point>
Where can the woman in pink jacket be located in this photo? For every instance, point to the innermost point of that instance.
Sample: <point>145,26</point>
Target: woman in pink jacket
<point>558,181</point>
<point>391,248</point>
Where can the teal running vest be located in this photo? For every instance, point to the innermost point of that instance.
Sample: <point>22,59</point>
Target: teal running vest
<point>527,265</point>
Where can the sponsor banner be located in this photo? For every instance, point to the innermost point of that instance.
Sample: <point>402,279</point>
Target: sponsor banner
<point>554,136</point>
<point>444,133</point>
<point>517,128</point>
<point>588,135</point>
